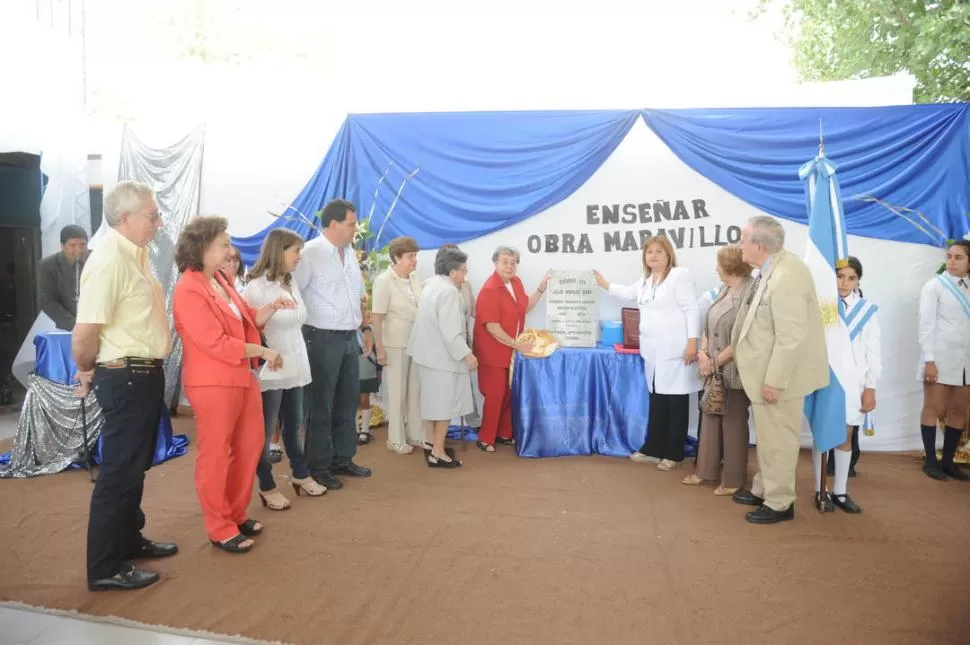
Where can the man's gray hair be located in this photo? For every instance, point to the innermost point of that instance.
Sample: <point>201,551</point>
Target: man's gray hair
<point>505,250</point>
<point>124,198</point>
<point>768,232</point>
<point>449,259</point>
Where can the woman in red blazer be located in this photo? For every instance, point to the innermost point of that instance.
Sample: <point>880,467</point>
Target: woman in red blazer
<point>221,347</point>
<point>499,319</point>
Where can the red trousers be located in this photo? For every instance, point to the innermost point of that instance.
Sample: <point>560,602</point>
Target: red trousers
<point>493,383</point>
<point>230,434</point>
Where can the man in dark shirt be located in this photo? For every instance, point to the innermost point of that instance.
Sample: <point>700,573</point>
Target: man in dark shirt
<point>58,276</point>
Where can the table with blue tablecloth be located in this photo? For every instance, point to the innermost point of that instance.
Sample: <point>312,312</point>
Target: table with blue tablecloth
<point>579,401</point>
<point>55,362</point>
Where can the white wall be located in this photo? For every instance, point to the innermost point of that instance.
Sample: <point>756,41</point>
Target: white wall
<point>643,169</point>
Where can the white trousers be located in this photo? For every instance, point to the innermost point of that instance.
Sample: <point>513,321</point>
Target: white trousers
<point>403,409</point>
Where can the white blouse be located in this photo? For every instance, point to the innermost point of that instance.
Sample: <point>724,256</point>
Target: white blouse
<point>944,330</point>
<point>283,333</point>
<point>866,350</point>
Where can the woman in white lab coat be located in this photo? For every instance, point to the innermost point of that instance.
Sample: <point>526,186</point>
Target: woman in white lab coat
<point>944,338</point>
<point>669,332</point>
<point>862,320</point>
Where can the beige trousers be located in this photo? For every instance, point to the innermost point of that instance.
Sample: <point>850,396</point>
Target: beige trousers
<point>778,427</point>
<point>401,381</point>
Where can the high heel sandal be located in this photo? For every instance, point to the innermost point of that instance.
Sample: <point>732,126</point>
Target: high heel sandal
<point>274,500</point>
<point>486,447</point>
<point>233,544</point>
<point>250,528</point>
<point>437,462</point>
<point>308,485</point>
<point>505,442</point>
<point>448,451</point>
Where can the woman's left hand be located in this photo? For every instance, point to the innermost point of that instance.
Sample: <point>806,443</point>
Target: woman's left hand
<point>690,354</point>
<point>283,303</point>
<point>868,400</point>
<point>544,282</point>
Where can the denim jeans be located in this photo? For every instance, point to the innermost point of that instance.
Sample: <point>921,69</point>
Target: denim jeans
<point>287,404</point>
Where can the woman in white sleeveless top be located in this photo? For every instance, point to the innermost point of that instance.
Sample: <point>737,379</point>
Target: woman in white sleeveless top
<point>282,389</point>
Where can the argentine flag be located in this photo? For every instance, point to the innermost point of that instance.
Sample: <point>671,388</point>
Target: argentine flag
<point>828,409</point>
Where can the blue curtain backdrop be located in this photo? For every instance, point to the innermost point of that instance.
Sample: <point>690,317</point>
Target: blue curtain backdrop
<point>479,172</point>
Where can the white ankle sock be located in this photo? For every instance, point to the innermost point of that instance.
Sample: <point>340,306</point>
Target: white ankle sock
<point>817,468</point>
<point>365,420</point>
<point>841,480</point>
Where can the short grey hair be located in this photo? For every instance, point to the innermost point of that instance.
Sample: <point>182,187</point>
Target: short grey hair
<point>449,259</point>
<point>505,250</point>
<point>767,232</point>
<point>124,198</point>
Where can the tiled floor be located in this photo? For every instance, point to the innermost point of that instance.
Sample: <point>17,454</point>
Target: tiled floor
<point>22,627</point>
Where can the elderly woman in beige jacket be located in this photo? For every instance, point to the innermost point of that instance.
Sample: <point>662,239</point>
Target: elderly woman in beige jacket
<point>394,307</point>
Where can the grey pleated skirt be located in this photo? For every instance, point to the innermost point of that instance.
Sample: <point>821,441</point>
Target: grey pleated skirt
<point>444,395</point>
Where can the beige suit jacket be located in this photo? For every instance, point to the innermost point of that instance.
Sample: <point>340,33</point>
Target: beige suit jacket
<point>392,299</point>
<point>778,337</point>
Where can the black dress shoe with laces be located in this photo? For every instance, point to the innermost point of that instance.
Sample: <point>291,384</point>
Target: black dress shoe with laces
<point>327,479</point>
<point>766,515</point>
<point>845,503</point>
<point>955,472</point>
<point>352,470</point>
<point>128,578</point>
<point>148,549</point>
<point>747,498</point>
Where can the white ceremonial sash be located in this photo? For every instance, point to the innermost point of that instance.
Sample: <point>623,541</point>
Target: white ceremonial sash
<point>957,293</point>
<point>856,319</point>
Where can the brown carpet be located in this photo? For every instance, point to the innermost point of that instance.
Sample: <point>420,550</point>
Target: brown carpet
<point>507,550</point>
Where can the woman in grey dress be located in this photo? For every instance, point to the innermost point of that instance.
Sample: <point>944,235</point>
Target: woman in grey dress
<point>724,436</point>
<point>439,346</point>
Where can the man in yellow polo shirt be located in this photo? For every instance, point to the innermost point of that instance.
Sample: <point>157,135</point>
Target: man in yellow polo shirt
<point>120,341</point>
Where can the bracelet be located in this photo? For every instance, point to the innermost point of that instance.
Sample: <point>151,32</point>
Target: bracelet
<point>540,291</point>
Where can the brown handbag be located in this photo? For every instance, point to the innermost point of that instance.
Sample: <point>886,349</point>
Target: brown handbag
<point>715,397</point>
<point>631,327</point>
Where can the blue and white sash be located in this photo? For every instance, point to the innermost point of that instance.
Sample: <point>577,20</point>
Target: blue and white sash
<point>857,318</point>
<point>957,293</point>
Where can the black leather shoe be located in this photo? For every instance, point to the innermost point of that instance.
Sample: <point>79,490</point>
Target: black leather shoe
<point>824,505</point>
<point>148,549</point>
<point>845,503</point>
<point>955,472</point>
<point>128,578</point>
<point>765,515</point>
<point>851,471</point>
<point>352,470</point>
<point>327,479</point>
<point>747,498</point>
<point>935,472</point>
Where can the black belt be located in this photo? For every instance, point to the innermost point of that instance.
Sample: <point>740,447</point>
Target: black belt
<point>131,361</point>
<point>345,332</point>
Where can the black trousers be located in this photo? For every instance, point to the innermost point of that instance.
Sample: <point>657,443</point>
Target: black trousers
<point>131,400</point>
<point>667,426</point>
<point>330,401</point>
<point>856,453</point>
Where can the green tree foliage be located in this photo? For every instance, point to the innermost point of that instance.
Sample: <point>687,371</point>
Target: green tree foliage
<point>849,39</point>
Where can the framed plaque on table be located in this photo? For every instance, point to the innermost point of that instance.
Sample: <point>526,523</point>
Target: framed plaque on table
<point>631,327</point>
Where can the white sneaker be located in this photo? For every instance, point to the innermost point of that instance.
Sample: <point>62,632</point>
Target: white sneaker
<point>641,458</point>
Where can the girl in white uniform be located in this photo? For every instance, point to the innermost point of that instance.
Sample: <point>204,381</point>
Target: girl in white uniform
<point>944,338</point>
<point>862,320</point>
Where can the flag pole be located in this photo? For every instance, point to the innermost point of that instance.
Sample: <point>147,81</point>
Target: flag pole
<point>823,462</point>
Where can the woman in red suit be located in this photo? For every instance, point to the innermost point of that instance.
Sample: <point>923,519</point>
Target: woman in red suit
<point>499,319</point>
<point>221,348</point>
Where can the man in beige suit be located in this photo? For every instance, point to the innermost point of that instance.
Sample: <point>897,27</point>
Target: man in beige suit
<point>779,348</point>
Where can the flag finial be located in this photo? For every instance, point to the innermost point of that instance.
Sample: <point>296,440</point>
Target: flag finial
<point>821,138</point>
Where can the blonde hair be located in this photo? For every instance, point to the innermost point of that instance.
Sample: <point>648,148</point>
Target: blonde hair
<point>664,243</point>
<point>270,260</point>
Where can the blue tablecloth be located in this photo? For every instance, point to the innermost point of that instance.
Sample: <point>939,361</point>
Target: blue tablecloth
<point>579,402</point>
<point>55,362</point>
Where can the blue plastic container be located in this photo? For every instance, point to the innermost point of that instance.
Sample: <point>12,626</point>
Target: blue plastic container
<point>611,332</point>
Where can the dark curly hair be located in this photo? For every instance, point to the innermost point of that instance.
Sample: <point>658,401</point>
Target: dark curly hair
<point>195,238</point>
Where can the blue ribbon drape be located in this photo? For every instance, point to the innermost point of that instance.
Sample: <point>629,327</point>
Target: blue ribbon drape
<point>480,172</point>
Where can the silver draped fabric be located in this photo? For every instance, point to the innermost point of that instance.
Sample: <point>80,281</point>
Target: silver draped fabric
<point>49,433</point>
<point>175,174</point>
